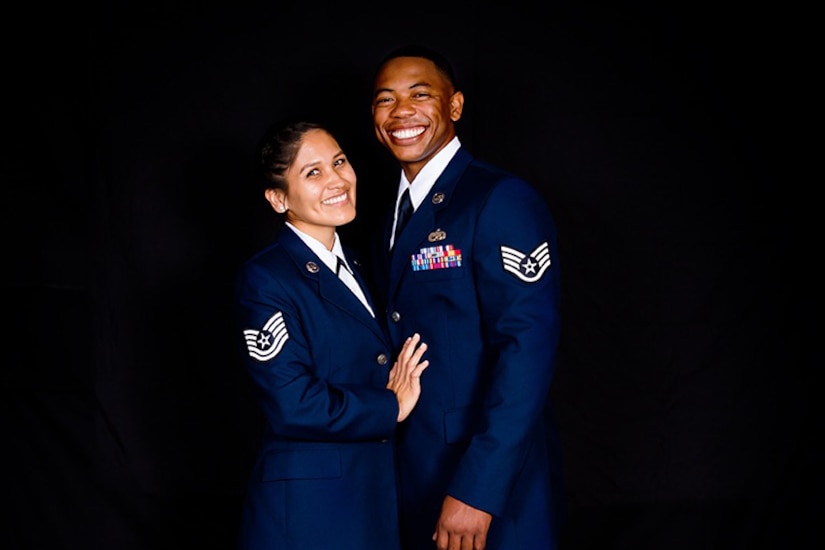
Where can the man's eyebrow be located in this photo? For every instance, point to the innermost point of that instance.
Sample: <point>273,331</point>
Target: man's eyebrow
<point>422,84</point>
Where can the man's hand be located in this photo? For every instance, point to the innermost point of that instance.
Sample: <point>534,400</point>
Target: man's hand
<point>461,527</point>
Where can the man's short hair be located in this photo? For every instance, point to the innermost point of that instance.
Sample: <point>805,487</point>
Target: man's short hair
<point>419,50</point>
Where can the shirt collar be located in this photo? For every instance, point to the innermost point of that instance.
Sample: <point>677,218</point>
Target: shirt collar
<point>426,178</point>
<point>329,257</point>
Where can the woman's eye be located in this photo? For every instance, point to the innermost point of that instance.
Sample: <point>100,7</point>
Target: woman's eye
<point>313,172</point>
<point>340,162</point>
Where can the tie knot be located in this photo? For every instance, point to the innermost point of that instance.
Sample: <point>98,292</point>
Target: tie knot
<point>405,210</point>
<point>341,265</point>
<point>405,204</point>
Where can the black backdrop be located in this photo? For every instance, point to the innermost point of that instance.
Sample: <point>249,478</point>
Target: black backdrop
<point>660,136</point>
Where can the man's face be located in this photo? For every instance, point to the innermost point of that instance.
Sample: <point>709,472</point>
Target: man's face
<point>414,109</point>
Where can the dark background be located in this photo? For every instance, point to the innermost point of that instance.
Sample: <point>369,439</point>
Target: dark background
<point>666,140</point>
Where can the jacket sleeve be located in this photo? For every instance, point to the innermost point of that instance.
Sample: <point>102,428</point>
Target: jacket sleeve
<point>518,290</point>
<point>304,389</point>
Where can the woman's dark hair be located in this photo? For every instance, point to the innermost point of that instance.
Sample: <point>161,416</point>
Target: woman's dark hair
<point>419,50</point>
<point>278,148</point>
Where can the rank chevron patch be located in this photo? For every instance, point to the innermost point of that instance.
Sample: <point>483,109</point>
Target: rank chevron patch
<point>266,343</point>
<point>526,267</point>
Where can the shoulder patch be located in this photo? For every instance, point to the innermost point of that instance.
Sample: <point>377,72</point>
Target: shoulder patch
<point>266,343</point>
<point>528,267</point>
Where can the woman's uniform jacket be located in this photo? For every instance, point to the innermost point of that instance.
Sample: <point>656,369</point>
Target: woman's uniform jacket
<point>324,476</point>
<point>475,273</point>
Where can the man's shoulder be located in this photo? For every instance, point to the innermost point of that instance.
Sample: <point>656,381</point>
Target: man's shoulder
<point>481,168</point>
<point>485,176</point>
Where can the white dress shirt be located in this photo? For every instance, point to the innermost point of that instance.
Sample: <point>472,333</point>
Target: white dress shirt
<point>330,259</point>
<point>422,184</point>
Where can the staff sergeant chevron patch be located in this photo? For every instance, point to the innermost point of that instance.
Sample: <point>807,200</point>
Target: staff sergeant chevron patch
<point>526,267</point>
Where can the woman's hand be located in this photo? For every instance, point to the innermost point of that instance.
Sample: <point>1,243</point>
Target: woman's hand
<point>405,375</point>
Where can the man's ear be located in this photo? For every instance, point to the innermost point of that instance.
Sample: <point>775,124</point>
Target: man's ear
<point>277,199</point>
<point>456,106</point>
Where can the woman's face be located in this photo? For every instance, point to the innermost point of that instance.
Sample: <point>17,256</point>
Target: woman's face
<point>320,193</point>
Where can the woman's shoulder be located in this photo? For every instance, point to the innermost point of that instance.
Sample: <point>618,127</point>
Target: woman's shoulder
<point>272,261</point>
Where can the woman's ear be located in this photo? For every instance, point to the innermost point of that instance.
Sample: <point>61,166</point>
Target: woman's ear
<point>277,199</point>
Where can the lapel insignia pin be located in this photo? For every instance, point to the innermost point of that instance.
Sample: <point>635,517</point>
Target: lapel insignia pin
<point>312,267</point>
<point>438,198</point>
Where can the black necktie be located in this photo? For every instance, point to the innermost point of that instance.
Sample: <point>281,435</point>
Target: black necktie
<point>405,210</point>
<point>341,265</point>
<point>348,278</point>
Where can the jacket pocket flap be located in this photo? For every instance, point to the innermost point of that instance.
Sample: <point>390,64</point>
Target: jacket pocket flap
<point>302,464</point>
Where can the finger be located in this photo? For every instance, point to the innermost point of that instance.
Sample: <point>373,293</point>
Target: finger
<point>419,352</point>
<point>409,345</point>
<point>416,372</point>
<point>405,346</point>
<point>404,353</point>
<point>441,539</point>
<point>406,357</point>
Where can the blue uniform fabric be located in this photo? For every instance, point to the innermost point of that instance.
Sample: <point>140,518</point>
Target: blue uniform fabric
<point>324,476</point>
<point>475,272</point>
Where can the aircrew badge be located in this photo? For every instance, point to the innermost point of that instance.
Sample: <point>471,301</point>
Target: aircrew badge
<point>527,267</point>
<point>266,343</point>
<point>437,235</point>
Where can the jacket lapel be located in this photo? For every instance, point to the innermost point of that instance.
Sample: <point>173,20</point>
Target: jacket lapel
<point>423,220</point>
<point>327,284</point>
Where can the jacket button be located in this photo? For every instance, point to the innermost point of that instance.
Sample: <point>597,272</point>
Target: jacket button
<point>395,316</point>
<point>382,359</point>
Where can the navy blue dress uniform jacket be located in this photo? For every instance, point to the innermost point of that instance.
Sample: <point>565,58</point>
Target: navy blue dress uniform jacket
<point>475,273</point>
<point>324,476</point>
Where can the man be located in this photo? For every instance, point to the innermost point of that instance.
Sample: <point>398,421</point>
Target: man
<point>475,272</point>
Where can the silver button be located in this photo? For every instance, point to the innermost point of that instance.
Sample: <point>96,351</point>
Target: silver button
<point>395,316</point>
<point>382,359</point>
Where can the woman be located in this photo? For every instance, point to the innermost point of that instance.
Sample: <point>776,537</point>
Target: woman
<point>324,476</point>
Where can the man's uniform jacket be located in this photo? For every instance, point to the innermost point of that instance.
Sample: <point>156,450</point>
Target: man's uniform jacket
<point>475,273</point>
